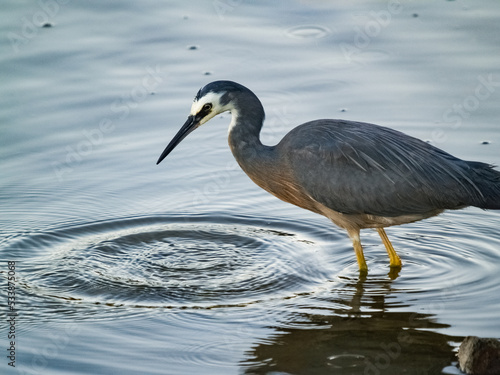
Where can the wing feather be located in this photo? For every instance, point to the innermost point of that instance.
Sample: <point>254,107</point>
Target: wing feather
<point>354,168</point>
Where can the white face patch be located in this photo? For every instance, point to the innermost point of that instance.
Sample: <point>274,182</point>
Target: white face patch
<point>214,99</point>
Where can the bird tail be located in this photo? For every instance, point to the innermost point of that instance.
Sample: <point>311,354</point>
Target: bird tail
<point>487,181</point>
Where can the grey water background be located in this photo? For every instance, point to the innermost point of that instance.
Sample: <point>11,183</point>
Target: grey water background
<point>126,267</point>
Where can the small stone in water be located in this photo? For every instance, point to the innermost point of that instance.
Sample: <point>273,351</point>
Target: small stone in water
<point>479,356</point>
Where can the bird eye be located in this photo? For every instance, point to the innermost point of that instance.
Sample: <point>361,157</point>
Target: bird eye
<point>207,107</point>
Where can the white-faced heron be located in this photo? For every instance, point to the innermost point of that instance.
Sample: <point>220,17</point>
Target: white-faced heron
<point>356,174</point>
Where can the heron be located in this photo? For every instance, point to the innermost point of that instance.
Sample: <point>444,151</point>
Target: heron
<point>358,175</point>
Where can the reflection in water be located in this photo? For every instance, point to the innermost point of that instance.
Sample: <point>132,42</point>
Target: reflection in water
<point>363,337</point>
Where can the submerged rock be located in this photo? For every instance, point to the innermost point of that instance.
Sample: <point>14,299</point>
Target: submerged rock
<point>478,356</point>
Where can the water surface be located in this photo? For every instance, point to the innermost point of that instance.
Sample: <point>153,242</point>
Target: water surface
<point>187,267</point>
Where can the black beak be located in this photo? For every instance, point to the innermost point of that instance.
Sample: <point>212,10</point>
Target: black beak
<point>191,123</point>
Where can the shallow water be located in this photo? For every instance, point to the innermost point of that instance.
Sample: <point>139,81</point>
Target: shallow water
<point>126,267</point>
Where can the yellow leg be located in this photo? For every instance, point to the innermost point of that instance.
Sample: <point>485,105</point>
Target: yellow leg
<point>394,259</point>
<point>358,250</point>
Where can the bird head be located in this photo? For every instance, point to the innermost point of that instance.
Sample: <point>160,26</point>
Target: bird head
<point>211,100</point>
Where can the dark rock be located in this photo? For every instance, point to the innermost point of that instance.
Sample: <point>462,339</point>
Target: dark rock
<point>479,356</point>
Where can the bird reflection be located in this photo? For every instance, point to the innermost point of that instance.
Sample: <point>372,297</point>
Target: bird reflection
<point>369,334</point>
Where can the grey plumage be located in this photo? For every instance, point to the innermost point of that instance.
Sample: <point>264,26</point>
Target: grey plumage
<point>359,175</point>
<point>354,167</point>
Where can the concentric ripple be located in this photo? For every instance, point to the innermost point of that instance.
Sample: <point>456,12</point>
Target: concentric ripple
<point>185,262</point>
<point>133,265</point>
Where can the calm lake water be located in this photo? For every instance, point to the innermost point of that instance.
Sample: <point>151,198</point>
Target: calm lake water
<point>126,267</point>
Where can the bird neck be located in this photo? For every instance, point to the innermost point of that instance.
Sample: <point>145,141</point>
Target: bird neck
<point>254,158</point>
<point>244,132</point>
